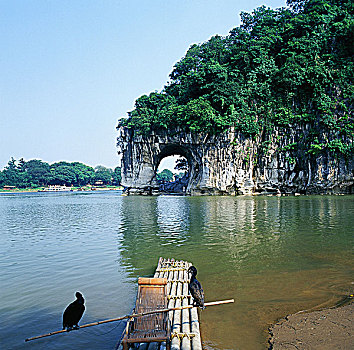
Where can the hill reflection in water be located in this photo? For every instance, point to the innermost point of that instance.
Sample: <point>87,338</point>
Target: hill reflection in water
<point>273,255</point>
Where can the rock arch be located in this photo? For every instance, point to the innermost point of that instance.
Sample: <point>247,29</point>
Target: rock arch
<point>175,149</point>
<point>230,163</point>
<point>215,164</point>
<point>141,156</point>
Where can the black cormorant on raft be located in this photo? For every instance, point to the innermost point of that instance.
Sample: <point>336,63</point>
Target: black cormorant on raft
<point>185,325</point>
<point>195,288</point>
<point>73,313</point>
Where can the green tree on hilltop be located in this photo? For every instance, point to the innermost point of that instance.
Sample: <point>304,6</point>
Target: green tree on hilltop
<point>280,68</point>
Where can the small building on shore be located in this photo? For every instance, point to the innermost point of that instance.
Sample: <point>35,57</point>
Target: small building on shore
<point>9,188</point>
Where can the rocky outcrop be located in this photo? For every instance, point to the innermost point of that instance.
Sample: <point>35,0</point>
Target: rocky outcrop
<point>178,186</point>
<point>230,163</point>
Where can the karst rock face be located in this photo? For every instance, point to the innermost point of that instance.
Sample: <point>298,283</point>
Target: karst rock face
<point>230,163</point>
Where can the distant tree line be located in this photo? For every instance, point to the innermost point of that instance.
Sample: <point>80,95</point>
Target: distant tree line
<point>36,173</point>
<point>167,175</point>
<point>171,182</point>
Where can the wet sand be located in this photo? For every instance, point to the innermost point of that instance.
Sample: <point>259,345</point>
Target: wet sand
<point>326,329</point>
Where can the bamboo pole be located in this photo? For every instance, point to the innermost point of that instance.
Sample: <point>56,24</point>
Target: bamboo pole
<point>162,273</point>
<point>176,326</point>
<point>172,302</point>
<point>196,341</point>
<point>131,316</point>
<point>186,343</point>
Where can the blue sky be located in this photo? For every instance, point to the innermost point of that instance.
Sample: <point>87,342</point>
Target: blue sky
<point>70,69</point>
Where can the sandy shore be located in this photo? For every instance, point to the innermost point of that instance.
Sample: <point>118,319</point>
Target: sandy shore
<point>326,329</point>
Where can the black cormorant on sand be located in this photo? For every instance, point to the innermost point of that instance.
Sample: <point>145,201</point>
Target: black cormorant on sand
<point>195,288</point>
<point>73,313</point>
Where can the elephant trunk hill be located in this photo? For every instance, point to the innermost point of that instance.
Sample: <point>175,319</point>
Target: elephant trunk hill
<point>265,109</point>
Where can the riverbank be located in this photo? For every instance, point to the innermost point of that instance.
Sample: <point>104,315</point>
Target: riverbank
<point>325,329</point>
<point>74,189</point>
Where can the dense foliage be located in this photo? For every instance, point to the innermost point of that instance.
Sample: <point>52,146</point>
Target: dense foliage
<point>165,175</point>
<point>281,68</point>
<point>35,173</point>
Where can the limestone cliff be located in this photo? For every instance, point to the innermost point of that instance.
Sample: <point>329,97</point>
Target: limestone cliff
<point>230,163</point>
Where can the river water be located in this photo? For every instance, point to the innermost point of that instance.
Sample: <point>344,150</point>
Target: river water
<point>273,255</point>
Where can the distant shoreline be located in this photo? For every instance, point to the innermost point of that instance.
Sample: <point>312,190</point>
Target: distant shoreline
<point>74,189</point>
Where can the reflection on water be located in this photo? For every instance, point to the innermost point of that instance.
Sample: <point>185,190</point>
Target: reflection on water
<point>274,255</point>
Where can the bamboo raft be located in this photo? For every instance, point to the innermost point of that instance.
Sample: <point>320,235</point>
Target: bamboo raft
<point>184,324</point>
<point>161,301</point>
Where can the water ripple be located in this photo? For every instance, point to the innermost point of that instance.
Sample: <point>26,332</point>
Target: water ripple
<point>274,255</point>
